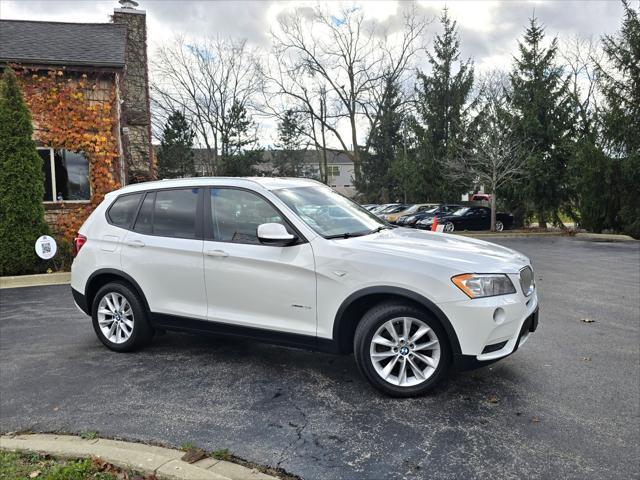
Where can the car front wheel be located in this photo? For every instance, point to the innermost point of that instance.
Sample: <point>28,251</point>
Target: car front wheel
<point>119,318</point>
<point>401,349</point>
<point>449,227</point>
<point>499,226</point>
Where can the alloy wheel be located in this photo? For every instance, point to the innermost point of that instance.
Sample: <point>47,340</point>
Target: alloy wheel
<point>405,351</point>
<point>115,317</point>
<point>449,227</point>
<point>499,226</point>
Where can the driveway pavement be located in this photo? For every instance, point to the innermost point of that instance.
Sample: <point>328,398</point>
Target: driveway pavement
<point>566,405</point>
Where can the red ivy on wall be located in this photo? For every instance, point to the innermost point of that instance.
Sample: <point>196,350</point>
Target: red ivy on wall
<point>72,112</point>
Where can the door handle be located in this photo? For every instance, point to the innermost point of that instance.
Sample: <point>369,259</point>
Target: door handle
<point>135,243</point>
<point>217,253</point>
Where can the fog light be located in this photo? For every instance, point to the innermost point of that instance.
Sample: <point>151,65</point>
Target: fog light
<point>499,315</point>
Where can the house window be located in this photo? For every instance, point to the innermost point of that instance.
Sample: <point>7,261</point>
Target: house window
<point>334,170</point>
<point>66,175</point>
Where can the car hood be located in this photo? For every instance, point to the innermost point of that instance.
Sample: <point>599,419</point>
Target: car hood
<point>460,254</point>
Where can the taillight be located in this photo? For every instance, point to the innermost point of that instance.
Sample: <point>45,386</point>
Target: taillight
<point>78,242</point>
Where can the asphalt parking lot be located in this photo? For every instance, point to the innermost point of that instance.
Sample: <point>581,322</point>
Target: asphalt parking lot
<point>566,405</point>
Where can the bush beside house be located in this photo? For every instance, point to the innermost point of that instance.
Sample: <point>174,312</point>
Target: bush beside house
<point>21,183</point>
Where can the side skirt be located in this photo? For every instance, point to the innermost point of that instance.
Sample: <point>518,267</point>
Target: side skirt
<point>192,325</point>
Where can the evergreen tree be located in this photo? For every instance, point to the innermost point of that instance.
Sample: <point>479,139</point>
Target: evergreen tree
<point>621,89</point>
<point>443,99</point>
<point>240,154</point>
<point>378,181</point>
<point>542,107</point>
<point>289,159</point>
<point>21,183</point>
<point>175,156</point>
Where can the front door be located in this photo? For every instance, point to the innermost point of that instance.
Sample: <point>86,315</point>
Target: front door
<point>250,284</point>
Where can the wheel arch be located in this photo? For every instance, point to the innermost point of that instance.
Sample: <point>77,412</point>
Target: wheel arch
<point>355,305</point>
<point>103,276</point>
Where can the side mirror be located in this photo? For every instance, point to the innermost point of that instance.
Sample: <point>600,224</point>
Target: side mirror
<point>275,234</point>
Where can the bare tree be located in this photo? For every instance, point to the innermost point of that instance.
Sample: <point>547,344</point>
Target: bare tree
<point>581,58</point>
<point>206,80</point>
<point>495,155</point>
<point>336,69</point>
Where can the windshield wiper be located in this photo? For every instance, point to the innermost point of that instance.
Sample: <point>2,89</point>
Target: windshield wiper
<point>357,234</point>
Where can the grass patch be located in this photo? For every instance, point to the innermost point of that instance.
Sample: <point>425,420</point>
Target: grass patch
<point>222,454</point>
<point>186,446</point>
<point>89,435</point>
<point>14,466</point>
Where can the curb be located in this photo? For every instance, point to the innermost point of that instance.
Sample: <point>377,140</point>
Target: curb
<point>19,281</point>
<point>604,237</point>
<point>163,462</point>
<point>507,234</point>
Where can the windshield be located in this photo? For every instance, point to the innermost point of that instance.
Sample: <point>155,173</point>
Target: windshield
<point>460,211</point>
<point>329,213</point>
<point>431,210</point>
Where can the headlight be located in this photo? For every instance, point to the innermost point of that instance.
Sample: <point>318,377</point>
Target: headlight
<point>485,285</point>
<point>527,282</point>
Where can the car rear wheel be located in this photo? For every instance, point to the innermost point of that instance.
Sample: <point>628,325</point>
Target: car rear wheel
<point>401,350</point>
<point>119,318</point>
<point>499,226</point>
<point>449,227</point>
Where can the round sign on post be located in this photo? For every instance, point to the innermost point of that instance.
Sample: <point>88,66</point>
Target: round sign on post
<point>46,247</point>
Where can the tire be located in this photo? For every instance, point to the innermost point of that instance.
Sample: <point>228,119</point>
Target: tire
<point>131,318</point>
<point>499,226</point>
<point>375,322</point>
<point>449,227</point>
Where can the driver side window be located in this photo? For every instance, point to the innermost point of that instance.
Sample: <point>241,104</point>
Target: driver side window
<point>236,214</point>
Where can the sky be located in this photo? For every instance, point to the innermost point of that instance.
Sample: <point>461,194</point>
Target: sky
<point>489,30</point>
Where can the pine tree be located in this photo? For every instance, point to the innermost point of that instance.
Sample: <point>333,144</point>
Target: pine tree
<point>21,183</point>
<point>443,98</point>
<point>621,89</point>
<point>175,156</point>
<point>289,159</point>
<point>240,154</point>
<point>378,181</point>
<point>542,107</point>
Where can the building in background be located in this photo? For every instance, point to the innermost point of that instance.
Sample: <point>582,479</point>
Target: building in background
<point>87,87</point>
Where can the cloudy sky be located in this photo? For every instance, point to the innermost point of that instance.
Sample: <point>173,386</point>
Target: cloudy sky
<point>489,30</point>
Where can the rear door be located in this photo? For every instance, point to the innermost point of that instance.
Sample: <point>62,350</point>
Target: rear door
<point>250,284</point>
<point>163,252</point>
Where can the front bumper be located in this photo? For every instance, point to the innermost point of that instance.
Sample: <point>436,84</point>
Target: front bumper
<point>469,362</point>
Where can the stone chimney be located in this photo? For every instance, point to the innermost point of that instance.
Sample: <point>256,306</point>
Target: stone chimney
<point>135,118</point>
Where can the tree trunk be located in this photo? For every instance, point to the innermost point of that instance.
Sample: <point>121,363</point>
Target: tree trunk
<point>542,219</point>
<point>493,210</point>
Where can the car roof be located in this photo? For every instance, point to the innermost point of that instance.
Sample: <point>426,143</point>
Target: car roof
<point>268,183</point>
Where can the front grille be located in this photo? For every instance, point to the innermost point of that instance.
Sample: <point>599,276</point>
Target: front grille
<point>527,282</point>
<point>494,347</point>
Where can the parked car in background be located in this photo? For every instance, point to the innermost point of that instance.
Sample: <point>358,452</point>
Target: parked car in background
<point>370,206</point>
<point>480,197</point>
<point>385,206</point>
<point>292,262</point>
<point>415,219</point>
<point>392,217</point>
<point>471,218</point>
<point>391,209</point>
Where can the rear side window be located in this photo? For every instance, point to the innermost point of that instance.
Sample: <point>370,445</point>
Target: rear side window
<point>144,222</point>
<point>124,209</point>
<point>174,214</point>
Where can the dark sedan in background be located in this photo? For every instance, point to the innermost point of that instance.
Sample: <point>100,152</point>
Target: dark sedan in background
<point>411,220</point>
<point>469,218</point>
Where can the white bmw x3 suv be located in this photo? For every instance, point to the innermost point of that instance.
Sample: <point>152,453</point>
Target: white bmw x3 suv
<point>291,262</point>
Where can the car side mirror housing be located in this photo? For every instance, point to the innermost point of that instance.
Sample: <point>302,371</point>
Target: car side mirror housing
<point>275,234</point>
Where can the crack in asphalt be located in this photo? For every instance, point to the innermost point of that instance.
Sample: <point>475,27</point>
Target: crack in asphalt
<point>298,430</point>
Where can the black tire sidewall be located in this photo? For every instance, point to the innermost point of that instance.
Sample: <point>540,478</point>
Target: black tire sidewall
<point>367,327</point>
<point>141,331</point>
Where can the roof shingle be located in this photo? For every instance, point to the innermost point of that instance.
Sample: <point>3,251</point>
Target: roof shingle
<point>57,43</point>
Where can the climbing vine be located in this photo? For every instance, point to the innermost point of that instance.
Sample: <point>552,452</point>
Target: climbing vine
<point>73,112</point>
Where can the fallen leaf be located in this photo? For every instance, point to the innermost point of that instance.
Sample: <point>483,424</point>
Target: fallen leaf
<point>193,455</point>
<point>587,320</point>
<point>493,399</point>
<point>586,359</point>
<point>34,474</point>
<point>535,419</point>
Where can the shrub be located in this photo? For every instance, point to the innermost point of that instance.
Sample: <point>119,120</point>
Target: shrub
<point>21,183</point>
